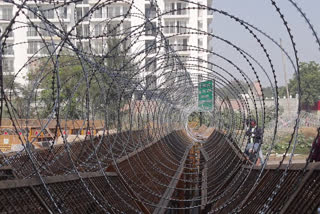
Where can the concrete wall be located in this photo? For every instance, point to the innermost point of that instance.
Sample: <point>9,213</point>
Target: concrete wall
<point>283,103</point>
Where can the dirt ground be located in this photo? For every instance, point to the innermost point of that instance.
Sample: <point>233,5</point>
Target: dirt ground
<point>308,131</point>
<point>204,131</point>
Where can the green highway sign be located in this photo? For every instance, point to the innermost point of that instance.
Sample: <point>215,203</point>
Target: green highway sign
<point>205,96</point>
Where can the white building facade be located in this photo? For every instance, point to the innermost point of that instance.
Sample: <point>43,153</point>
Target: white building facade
<point>148,30</point>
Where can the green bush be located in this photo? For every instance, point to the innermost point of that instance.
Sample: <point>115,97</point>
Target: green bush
<point>303,145</point>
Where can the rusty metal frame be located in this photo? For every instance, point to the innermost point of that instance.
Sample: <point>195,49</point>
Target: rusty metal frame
<point>311,168</point>
<point>165,199</point>
<point>17,183</point>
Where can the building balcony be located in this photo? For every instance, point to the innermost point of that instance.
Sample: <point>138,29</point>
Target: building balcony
<point>10,38</point>
<point>43,37</point>
<point>4,21</point>
<point>183,52</point>
<point>180,34</point>
<point>54,20</point>
<point>108,19</point>
<point>170,16</point>
<point>8,55</point>
<point>209,16</point>
<point>80,4</point>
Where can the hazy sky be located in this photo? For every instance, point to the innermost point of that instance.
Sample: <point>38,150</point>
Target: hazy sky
<point>263,15</point>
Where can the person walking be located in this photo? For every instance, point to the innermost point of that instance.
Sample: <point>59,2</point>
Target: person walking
<point>253,148</point>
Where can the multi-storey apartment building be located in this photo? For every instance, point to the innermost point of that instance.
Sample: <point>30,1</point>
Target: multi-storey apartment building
<point>8,55</point>
<point>149,31</point>
<point>184,26</point>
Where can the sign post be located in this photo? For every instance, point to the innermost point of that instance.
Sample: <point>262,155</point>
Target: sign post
<point>205,96</point>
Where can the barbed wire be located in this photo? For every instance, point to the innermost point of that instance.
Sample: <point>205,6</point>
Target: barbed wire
<point>102,92</point>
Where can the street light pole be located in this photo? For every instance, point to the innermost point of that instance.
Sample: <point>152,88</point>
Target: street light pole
<point>285,75</point>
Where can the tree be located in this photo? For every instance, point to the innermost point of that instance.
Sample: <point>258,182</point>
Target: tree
<point>268,92</point>
<point>89,79</point>
<point>194,117</point>
<point>15,95</point>
<point>309,83</point>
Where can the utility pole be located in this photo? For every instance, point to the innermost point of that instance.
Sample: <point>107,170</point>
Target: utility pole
<point>285,76</point>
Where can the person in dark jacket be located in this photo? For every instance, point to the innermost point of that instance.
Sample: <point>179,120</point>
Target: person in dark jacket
<point>254,134</point>
<point>315,152</point>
